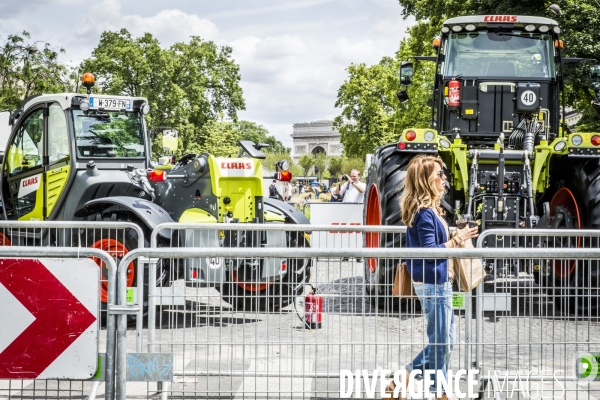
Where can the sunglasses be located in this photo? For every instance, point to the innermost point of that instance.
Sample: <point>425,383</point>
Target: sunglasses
<point>441,173</point>
<point>472,224</point>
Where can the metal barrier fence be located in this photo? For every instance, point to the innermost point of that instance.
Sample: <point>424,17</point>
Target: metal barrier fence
<point>555,300</point>
<point>68,239</point>
<point>264,343</point>
<point>68,389</point>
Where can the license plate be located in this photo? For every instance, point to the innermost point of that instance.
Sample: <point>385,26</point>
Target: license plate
<point>110,104</point>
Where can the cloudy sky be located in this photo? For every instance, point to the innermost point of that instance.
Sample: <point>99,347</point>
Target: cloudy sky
<point>292,53</point>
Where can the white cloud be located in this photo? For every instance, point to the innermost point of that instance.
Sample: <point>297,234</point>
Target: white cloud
<point>12,26</point>
<point>268,9</point>
<point>169,26</point>
<point>292,54</point>
<point>11,8</point>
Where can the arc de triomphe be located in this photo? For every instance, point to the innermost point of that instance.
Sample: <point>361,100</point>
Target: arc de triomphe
<point>315,137</point>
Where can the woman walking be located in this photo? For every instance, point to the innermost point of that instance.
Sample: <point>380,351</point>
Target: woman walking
<point>432,279</point>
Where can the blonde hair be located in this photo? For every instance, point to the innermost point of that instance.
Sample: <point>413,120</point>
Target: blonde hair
<point>420,190</point>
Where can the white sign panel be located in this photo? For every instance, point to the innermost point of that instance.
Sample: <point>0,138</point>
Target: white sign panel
<point>338,215</point>
<point>236,167</point>
<point>29,185</point>
<point>52,306</point>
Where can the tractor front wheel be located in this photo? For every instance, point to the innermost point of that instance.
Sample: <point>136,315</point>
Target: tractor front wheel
<point>574,285</point>
<point>385,185</point>
<point>118,242</point>
<point>246,291</point>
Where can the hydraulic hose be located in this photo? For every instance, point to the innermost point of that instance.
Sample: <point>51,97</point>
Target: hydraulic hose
<point>473,183</point>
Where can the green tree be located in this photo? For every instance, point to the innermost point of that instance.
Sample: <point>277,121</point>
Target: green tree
<point>259,134</point>
<point>296,171</point>
<point>187,85</point>
<point>371,114</point>
<point>335,166</point>
<point>306,162</point>
<point>221,140</point>
<point>320,162</point>
<point>26,70</point>
<point>353,163</point>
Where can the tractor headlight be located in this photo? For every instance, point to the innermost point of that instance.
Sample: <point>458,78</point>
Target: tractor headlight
<point>560,146</point>
<point>145,108</point>
<point>84,104</point>
<point>445,29</point>
<point>576,140</point>
<point>429,136</point>
<point>543,28</point>
<point>556,30</point>
<point>456,28</point>
<point>470,27</point>
<point>530,28</point>
<point>444,143</point>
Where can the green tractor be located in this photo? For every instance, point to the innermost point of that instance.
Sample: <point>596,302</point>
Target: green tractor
<point>75,157</point>
<point>497,124</point>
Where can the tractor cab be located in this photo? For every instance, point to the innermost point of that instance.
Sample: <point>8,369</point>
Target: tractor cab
<point>497,74</point>
<point>67,149</point>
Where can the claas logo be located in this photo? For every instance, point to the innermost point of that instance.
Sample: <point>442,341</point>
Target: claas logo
<point>284,176</point>
<point>236,165</point>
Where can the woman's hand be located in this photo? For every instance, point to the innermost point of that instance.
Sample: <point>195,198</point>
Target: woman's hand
<point>466,233</point>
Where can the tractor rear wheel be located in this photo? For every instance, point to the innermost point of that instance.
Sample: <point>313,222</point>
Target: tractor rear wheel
<point>385,185</point>
<point>575,285</point>
<point>246,291</point>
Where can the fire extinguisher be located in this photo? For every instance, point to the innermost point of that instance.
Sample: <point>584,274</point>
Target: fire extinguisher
<point>454,93</point>
<point>313,310</point>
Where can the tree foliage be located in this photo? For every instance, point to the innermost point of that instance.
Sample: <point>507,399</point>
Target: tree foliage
<point>306,162</point>
<point>190,86</point>
<point>371,114</point>
<point>27,69</point>
<point>335,166</point>
<point>320,163</point>
<point>349,164</point>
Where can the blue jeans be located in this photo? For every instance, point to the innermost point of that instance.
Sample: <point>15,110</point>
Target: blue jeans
<point>436,301</point>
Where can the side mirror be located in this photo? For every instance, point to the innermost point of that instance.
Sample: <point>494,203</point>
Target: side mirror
<point>402,96</point>
<point>169,140</point>
<point>406,73</point>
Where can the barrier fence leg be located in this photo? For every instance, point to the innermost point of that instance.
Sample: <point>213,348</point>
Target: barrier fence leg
<point>479,338</point>
<point>468,324</point>
<point>94,391</point>
<point>165,390</point>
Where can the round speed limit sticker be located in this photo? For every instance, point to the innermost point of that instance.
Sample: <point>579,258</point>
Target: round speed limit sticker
<point>528,98</point>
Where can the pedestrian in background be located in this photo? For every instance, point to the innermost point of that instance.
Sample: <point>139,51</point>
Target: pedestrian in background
<point>432,279</point>
<point>287,191</point>
<point>352,189</point>
<point>274,192</point>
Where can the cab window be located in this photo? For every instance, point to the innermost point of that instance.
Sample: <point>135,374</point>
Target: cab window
<point>58,135</point>
<point>26,149</point>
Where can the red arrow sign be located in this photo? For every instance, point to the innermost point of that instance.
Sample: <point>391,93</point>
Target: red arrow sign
<point>59,318</point>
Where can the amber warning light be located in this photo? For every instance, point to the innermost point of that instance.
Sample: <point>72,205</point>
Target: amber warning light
<point>284,176</point>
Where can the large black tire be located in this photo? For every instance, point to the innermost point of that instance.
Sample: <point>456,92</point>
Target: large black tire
<point>576,286</point>
<point>245,292</point>
<point>119,242</point>
<point>385,185</point>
